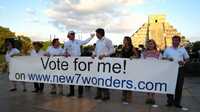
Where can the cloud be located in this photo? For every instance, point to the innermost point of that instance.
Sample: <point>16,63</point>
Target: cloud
<point>30,11</point>
<point>32,20</point>
<point>31,16</point>
<point>131,2</point>
<point>87,15</point>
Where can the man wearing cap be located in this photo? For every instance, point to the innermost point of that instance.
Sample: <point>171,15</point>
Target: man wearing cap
<point>73,48</point>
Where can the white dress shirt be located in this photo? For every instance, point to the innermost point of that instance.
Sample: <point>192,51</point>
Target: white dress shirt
<point>177,54</point>
<point>10,53</point>
<point>34,53</point>
<point>55,51</point>
<point>104,47</point>
<point>73,47</point>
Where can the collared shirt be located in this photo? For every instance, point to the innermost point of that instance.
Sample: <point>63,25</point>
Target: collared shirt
<point>34,53</point>
<point>55,51</point>
<point>104,47</point>
<point>177,54</point>
<point>73,47</point>
<point>10,53</point>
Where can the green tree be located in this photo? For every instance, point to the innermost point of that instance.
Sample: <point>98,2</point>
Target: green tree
<point>4,34</point>
<point>184,41</point>
<point>46,44</point>
<point>26,44</point>
<point>196,46</point>
<point>22,42</point>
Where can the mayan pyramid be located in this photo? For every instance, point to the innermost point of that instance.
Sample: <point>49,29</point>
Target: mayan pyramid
<point>156,28</point>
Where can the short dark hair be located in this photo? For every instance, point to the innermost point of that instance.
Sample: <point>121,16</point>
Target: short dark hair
<point>11,41</point>
<point>176,36</point>
<point>100,31</point>
<point>54,41</point>
<point>71,32</point>
<point>38,43</point>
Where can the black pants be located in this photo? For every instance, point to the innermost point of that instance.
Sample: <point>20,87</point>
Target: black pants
<point>176,99</point>
<point>103,93</point>
<point>39,86</point>
<point>126,95</point>
<point>80,90</point>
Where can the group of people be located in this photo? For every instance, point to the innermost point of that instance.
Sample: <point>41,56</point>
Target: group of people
<point>104,48</point>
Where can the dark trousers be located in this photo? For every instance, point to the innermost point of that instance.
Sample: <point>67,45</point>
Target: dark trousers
<point>176,99</point>
<point>80,90</point>
<point>126,95</point>
<point>103,93</point>
<point>39,86</point>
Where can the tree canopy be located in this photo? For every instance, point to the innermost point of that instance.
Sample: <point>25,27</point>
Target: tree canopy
<point>23,41</point>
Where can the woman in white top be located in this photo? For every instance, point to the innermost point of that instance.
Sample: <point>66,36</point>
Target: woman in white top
<point>36,51</point>
<point>55,50</point>
<point>12,51</point>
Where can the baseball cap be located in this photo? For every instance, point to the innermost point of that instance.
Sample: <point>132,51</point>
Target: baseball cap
<point>71,32</point>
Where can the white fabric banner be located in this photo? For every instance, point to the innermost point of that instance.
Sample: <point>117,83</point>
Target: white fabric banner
<point>157,76</point>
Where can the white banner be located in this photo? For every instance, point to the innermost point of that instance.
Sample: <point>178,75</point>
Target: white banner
<point>157,76</point>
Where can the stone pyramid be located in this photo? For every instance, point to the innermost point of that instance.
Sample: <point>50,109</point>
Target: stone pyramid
<point>156,28</point>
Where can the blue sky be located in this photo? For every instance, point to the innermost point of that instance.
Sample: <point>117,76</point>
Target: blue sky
<point>41,18</point>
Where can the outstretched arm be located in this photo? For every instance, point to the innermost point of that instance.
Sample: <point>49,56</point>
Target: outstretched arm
<point>87,40</point>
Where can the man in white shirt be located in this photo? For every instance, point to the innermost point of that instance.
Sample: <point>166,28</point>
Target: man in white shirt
<point>180,55</point>
<point>103,48</point>
<point>36,51</point>
<point>55,50</point>
<point>73,48</point>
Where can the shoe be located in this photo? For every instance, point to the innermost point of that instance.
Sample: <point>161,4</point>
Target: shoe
<point>125,102</point>
<point>13,89</point>
<point>169,104</point>
<point>41,91</point>
<point>154,106</point>
<point>178,106</point>
<point>69,95</point>
<point>105,98</point>
<point>184,109</point>
<point>24,90</point>
<point>53,92</point>
<point>97,97</point>
<point>80,96</point>
<point>35,91</point>
<point>98,100</point>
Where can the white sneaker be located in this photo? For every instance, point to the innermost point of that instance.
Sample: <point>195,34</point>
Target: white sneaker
<point>184,109</point>
<point>154,106</point>
<point>99,100</point>
<point>125,103</point>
